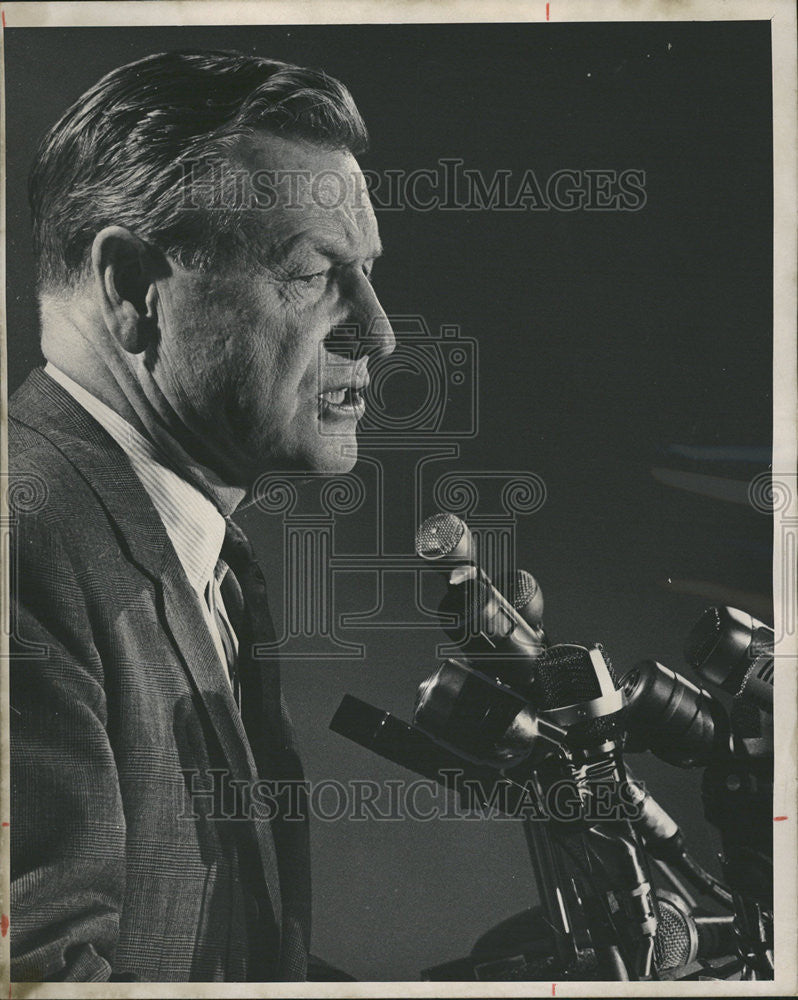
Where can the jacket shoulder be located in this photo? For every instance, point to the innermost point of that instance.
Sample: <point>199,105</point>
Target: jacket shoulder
<point>43,481</point>
<point>56,515</point>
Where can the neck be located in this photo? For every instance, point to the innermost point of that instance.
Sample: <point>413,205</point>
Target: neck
<point>74,342</point>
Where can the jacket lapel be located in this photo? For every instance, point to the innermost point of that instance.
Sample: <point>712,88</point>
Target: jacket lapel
<point>42,404</point>
<point>190,633</point>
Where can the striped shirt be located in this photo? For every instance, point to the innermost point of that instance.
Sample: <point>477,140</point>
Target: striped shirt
<point>193,523</point>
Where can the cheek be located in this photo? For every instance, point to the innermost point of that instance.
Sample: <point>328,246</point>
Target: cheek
<point>294,353</point>
<point>242,342</point>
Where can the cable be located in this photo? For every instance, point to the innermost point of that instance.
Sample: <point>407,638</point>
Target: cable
<point>701,878</point>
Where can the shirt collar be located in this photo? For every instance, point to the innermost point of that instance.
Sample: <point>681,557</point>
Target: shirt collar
<point>194,524</point>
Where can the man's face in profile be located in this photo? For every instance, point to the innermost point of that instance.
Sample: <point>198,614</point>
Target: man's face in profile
<point>250,356</point>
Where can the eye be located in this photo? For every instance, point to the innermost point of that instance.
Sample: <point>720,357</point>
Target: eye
<point>307,279</point>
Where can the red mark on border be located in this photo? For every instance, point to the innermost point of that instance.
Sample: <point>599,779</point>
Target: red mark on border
<point>3,13</point>
<point>547,17</point>
<point>4,921</point>
<point>778,819</point>
<point>553,985</point>
<point>6,823</point>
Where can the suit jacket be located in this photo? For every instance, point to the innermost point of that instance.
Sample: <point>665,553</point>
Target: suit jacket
<point>123,863</point>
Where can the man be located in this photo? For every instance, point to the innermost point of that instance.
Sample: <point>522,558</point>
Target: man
<point>204,243</point>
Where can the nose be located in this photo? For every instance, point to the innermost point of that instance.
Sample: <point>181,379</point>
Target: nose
<point>373,330</point>
<point>380,340</point>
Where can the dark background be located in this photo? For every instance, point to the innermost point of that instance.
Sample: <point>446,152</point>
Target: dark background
<point>604,339</point>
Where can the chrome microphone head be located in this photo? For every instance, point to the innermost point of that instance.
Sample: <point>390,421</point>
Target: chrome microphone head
<point>522,591</point>
<point>444,537</point>
<point>576,687</point>
<point>494,636</point>
<point>677,942</point>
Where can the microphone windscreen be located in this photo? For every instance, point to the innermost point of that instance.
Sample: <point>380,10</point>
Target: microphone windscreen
<point>567,675</point>
<point>522,591</point>
<point>676,943</point>
<point>439,535</point>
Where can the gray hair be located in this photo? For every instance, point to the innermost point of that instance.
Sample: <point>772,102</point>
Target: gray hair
<point>118,156</point>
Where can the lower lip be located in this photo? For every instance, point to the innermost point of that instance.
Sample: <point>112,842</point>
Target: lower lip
<point>342,411</point>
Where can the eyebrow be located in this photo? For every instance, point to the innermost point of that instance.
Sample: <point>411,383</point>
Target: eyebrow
<point>332,249</point>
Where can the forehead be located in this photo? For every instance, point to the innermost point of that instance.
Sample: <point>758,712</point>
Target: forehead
<point>310,195</point>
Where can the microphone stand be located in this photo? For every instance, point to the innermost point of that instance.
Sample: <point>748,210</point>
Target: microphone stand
<point>397,741</point>
<point>622,866</point>
<point>544,865</point>
<point>618,905</point>
<point>737,797</point>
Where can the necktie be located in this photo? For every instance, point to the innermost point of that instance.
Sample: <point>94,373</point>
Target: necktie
<point>270,736</point>
<point>257,677</point>
<point>224,628</point>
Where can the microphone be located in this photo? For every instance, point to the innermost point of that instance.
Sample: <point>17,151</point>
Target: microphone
<point>683,938</point>
<point>389,737</point>
<point>489,630</point>
<point>576,688</point>
<point>445,538</point>
<point>502,637</point>
<point>734,651</point>
<point>679,722</point>
<point>483,721</point>
<point>520,948</point>
<point>489,626</point>
<point>523,591</point>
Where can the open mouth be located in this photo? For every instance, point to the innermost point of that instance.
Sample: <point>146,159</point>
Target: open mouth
<point>346,402</point>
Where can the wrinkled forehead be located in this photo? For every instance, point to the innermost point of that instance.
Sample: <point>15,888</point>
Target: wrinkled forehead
<point>306,193</point>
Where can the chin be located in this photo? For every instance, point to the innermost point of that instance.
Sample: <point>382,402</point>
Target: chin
<point>336,460</point>
<point>332,454</point>
<point>329,459</point>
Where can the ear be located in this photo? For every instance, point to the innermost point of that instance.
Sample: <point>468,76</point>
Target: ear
<point>124,281</point>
